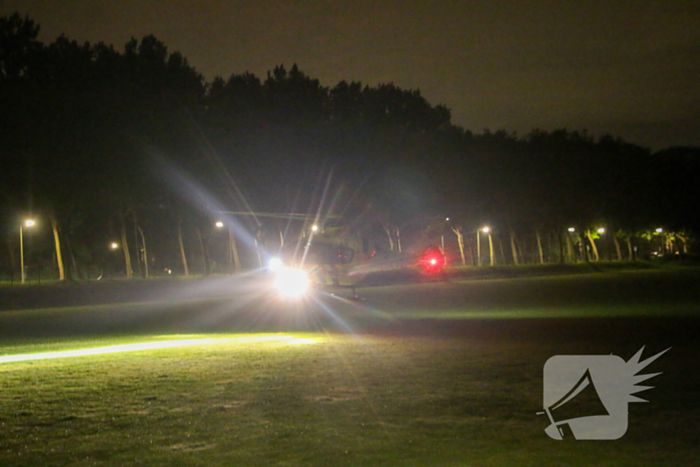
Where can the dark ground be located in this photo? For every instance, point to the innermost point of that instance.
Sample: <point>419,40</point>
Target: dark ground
<point>661,305</point>
<point>517,323</point>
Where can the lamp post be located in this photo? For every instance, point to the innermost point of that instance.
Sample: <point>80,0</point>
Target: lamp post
<point>604,243</point>
<point>442,237</point>
<point>487,231</point>
<point>491,258</point>
<point>478,248</point>
<point>569,244</point>
<point>27,223</point>
<point>229,259</point>
<point>660,231</point>
<point>114,246</point>
<point>220,225</point>
<point>232,250</point>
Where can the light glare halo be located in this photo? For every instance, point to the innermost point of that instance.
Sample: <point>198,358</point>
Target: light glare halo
<point>291,283</point>
<point>275,264</point>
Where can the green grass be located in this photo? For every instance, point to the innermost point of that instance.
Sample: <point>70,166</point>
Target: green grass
<point>341,400</point>
<point>421,383</point>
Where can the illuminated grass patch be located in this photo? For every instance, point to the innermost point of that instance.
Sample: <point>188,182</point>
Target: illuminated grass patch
<point>144,346</point>
<point>262,399</point>
<point>420,375</point>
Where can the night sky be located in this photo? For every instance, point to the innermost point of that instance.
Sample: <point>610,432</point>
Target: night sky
<point>626,67</point>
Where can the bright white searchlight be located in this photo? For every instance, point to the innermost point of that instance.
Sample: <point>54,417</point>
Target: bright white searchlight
<point>291,283</point>
<point>275,264</point>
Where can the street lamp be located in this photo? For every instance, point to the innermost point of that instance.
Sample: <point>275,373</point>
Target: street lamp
<point>231,251</point>
<point>442,237</point>
<point>27,223</point>
<point>478,247</point>
<point>314,228</point>
<point>660,231</point>
<point>569,244</point>
<point>491,258</point>
<point>601,230</point>
<point>487,231</point>
<point>114,246</point>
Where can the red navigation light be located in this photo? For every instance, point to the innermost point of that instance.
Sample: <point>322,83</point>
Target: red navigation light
<point>432,261</point>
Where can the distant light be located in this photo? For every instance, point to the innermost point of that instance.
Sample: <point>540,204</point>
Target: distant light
<point>114,246</point>
<point>571,229</point>
<point>219,224</point>
<point>433,261</point>
<point>28,223</point>
<point>659,230</point>
<point>601,230</point>
<point>486,230</point>
<point>447,219</point>
<point>314,227</point>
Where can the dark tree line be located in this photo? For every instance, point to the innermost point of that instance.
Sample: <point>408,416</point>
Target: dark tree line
<point>133,146</point>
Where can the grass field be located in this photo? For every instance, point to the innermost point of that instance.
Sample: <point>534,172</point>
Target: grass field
<point>426,374</point>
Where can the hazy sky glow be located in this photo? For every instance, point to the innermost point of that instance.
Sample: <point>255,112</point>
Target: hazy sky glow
<point>629,67</point>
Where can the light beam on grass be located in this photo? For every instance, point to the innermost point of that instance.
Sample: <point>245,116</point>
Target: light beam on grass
<point>329,311</point>
<point>301,341</point>
<point>153,346</point>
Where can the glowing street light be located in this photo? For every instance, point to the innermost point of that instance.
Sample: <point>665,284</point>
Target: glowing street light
<point>442,238</point>
<point>492,259</point>
<point>569,243</point>
<point>487,231</point>
<point>27,223</point>
<point>663,239</point>
<point>314,228</point>
<point>601,230</point>
<point>478,248</point>
<point>232,249</point>
<point>114,245</point>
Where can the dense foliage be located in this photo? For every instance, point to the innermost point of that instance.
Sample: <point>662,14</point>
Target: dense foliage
<point>134,144</point>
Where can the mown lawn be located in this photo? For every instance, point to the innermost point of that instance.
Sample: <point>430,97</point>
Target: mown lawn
<point>405,388</point>
<point>322,400</point>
